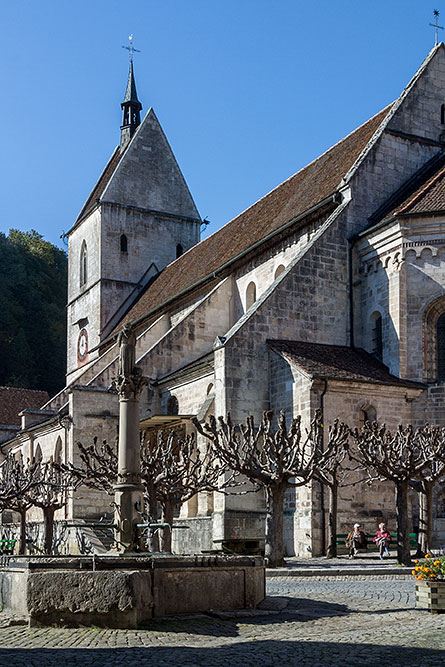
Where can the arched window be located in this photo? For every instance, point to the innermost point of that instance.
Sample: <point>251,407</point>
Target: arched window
<point>440,342</point>
<point>38,454</point>
<point>179,250</point>
<point>377,335</point>
<point>434,341</point>
<point>83,264</point>
<point>442,114</point>
<point>279,270</point>
<point>250,295</point>
<point>58,451</point>
<point>124,243</point>
<point>367,415</point>
<point>172,406</point>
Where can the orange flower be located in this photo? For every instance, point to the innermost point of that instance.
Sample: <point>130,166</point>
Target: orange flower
<point>416,561</point>
<point>413,572</point>
<point>420,576</point>
<point>427,556</point>
<point>436,562</point>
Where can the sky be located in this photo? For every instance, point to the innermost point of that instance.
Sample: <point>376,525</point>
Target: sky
<point>247,91</point>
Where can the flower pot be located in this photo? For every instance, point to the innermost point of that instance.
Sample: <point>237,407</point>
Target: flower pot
<point>431,595</point>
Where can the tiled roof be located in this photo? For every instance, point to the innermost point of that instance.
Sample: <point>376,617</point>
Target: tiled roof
<point>337,362</point>
<point>302,191</point>
<point>13,400</point>
<point>428,197</point>
<point>101,184</point>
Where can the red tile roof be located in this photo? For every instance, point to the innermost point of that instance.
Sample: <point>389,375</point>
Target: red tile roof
<point>338,362</point>
<point>13,400</point>
<point>302,191</point>
<point>428,197</point>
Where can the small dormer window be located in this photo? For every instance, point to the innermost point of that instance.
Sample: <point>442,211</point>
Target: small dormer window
<point>179,250</point>
<point>124,243</point>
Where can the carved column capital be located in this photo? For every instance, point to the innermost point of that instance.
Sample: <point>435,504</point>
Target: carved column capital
<point>130,386</point>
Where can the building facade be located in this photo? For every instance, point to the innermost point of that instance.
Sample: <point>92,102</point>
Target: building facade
<point>329,292</point>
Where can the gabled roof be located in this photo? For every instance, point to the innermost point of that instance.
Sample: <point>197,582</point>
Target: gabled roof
<point>338,362</point>
<point>101,184</point>
<point>13,400</point>
<point>301,192</point>
<point>429,197</point>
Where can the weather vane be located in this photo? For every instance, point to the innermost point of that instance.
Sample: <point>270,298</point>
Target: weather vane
<point>131,48</point>
<point>434,25</point>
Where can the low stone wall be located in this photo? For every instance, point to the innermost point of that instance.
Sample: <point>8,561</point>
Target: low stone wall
<point>125,592</point>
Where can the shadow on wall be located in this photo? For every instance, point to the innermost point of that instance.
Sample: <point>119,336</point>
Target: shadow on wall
<point>237,654</point>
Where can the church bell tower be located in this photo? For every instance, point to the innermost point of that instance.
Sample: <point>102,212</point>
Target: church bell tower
<point>131,108</point>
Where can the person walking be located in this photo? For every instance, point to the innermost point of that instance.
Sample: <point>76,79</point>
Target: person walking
<point>356,540</point>
<point>382,539</point>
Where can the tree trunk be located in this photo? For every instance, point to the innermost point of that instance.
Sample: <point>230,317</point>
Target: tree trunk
<point>48,527</point>
<point>425,517</point>
<point>165,537</point>
<point>332,520</point>
<point>403,551</point>
<point>274,525</point>
<point>22,538</point>
<point>153,516</point>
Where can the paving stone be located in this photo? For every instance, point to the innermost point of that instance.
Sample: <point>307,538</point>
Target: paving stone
<point>324,622</point>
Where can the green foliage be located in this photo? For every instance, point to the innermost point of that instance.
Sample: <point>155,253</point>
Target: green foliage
<point>33,283</point>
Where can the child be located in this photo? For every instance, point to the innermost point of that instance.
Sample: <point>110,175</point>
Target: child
<point>382,539</point>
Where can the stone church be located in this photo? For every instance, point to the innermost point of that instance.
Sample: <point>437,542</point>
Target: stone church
<point>329,292</point>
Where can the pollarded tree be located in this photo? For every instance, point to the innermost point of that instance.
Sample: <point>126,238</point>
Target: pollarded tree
<point>173,470</point>
<point>50,494</point>
<point>434,447</point>
<point>99,466</point>
<point>329,469</point>
<point>17,479</point>
<point>275,461</point>
<point>400,457</point>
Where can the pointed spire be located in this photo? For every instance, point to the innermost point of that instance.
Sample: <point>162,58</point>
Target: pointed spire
<point>131,94</point>
<point>131,109</point>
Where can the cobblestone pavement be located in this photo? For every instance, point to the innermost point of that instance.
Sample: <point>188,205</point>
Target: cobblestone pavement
<point>368,621</point>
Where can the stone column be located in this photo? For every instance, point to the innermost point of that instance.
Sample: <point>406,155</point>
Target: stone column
<point>128,490</point>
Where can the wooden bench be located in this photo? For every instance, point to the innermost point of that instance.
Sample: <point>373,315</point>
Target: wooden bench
<point>372,546</point>
<point>7,546</point>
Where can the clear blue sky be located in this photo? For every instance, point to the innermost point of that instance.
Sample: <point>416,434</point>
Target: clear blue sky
<point>247,91</point>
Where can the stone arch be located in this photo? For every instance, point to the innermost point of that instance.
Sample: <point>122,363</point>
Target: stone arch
<point>124,243</point>
<point>209,388</point>
<point>432,347</point>
<point>410,255</point>
<point>279,270</point>
<point>250,294</point>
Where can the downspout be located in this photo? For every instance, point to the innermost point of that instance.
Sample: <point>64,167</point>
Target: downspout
<point>321,485</point>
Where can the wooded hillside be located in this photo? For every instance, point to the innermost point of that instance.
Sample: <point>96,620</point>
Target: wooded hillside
<point>33,284</point>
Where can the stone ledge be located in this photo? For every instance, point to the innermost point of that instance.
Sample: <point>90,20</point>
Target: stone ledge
<point>337,572</point>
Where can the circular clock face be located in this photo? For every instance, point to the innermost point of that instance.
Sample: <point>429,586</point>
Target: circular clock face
<point>82,345</point>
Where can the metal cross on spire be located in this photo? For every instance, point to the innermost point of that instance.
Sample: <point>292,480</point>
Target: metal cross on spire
<point>131,48</point>
<point>436,25</point>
